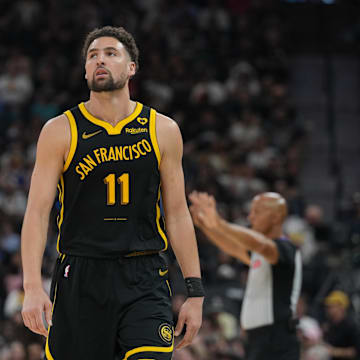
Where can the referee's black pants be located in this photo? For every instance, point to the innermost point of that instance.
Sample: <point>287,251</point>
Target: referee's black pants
<point>273,342</point>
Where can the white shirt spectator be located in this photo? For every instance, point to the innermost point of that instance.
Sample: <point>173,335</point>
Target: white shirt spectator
<point>15,90</point>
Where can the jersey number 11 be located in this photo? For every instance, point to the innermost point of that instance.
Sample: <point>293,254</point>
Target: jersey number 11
<point>123,181</point>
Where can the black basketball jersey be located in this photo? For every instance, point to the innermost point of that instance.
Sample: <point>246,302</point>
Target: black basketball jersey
<point>109,190</point>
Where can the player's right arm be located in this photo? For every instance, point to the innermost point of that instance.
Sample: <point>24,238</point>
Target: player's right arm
<point>52,149</point>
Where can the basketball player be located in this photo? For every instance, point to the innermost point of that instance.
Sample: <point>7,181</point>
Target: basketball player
<point>107,157</point>
<point>274,278</point>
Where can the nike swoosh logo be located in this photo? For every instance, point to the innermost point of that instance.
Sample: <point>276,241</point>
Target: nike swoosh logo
<point>162,273</point>
<point>87,136</point>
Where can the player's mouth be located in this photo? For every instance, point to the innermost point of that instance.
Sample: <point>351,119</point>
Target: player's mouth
<point>101,72</point>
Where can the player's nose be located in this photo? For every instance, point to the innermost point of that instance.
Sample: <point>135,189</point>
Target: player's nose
<point>100,60</point>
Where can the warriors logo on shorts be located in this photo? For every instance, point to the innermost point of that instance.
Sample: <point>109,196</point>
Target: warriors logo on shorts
<point>166,333</point>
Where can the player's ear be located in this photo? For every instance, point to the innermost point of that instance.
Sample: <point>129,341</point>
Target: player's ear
<point>132,68</point>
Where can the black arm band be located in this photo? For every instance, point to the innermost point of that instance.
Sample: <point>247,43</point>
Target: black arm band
<point>194,287</point>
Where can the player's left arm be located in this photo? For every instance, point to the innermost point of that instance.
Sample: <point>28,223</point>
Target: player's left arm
<point>179,226</point>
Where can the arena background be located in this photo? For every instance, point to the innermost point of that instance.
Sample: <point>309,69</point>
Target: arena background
<point>266,94</point>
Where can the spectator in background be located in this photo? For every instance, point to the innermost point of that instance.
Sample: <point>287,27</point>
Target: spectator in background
<point>312,346</point>
<point>16,85</point>
<point>35,351</point>
<point>340,331</point>
<point>314,216</point>
<point>183,354</point>
<point>9,238</point>
<point>17,351</point>
<point>302,235</point>
<point>353,238</point>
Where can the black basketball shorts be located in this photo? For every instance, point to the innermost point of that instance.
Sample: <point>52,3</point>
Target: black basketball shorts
<point>110,310</point>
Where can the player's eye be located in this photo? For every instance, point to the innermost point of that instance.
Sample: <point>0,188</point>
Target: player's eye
<point>92,56</point>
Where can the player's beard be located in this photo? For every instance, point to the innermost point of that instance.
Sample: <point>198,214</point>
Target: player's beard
<point>108,84</point>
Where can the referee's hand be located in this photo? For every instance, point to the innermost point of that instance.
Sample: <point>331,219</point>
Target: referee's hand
<point>203,210</point>
<point>37,303</point>
<point>191,315</point>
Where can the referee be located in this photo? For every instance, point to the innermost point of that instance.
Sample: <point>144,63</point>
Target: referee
<point>274,279</point>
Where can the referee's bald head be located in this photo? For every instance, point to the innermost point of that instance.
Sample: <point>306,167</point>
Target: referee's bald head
<point>274,202</point>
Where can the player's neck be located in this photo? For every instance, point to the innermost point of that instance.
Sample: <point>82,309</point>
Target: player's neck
<point>111,107</point>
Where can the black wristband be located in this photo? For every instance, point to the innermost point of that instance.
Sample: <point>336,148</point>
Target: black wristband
<point>194,287</point>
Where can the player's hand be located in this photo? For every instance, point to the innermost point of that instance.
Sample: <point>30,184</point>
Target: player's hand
<point>191,315</point>
<point>36,302</point>
<point>203,210</point>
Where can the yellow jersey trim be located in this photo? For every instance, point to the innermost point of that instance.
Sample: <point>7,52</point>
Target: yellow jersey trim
<point>111,130</point>
<point>47,351</point>
<point>47,348</point>
<point>74,139</point>
<point>149,348</point>
<point>168,284</point>
<point>158,215</point>
<point>153,137</point>
<point>61,218</point>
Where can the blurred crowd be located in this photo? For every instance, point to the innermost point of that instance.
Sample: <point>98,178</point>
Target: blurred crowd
<point>220,69</point>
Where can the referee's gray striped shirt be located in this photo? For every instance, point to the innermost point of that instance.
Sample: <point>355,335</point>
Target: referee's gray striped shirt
<point>272,291</point>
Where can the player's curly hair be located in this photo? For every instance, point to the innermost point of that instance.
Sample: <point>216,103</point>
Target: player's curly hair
<point>118,33</point>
